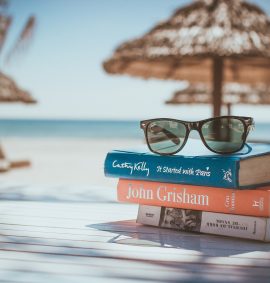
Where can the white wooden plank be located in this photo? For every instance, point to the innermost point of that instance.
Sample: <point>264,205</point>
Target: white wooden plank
<point>141,253</point>
<point>168,241</point>
<point>53,235</point>
<point>100,242</point>
<point>165,237</point>
<point>143,233</point>
<point>58,194</point>
<point>64,241</point>
<point>128,269</point>
<point>39,277</point>
<point>89,270</point>
<point>95,244</point>
<point>70,211</point>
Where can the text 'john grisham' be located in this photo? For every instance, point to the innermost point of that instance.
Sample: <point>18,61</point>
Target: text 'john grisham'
<point>165,194</point>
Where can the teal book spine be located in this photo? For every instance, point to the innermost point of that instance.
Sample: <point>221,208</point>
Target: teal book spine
<point>215,172</point>
<point>194,165</point>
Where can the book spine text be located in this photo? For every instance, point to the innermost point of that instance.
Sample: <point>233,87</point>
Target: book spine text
<point>217,172</point>
<point>244,202</point>
<point>248,227</point>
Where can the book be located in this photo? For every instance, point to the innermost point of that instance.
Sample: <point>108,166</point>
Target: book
<point>254,202</point>
<point>248,227</point>
<point>194,165</point>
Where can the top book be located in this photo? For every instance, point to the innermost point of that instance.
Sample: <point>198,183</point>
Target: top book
<point>194,165</point>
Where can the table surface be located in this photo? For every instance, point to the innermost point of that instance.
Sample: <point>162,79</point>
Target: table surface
<point>68,234</point>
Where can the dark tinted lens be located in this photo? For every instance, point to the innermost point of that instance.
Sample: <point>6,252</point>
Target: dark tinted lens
<point>165,137</point>
<point>224,135</point>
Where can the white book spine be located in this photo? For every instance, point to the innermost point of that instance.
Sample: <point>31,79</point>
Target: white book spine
<point>248,227</point>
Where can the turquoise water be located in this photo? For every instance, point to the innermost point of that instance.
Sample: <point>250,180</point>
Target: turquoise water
<point>70,128</point>
<point>90,129</point>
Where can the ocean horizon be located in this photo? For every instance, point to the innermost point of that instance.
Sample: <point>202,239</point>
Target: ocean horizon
<point>62,128</point>
<point>68,128</point>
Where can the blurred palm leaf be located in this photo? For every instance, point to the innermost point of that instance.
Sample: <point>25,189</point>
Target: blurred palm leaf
<point>5,22</point>
<point>24,38</point>
<point>9,91</point>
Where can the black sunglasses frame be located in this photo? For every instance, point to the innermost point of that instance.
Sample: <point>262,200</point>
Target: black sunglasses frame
<point>248,124</point>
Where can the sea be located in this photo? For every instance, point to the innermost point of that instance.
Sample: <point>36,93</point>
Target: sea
<point>94,129</point>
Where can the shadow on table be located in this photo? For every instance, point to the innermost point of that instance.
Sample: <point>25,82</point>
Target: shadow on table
<point>131,233</point>
<point>70,194</point>
<point>160,263</point>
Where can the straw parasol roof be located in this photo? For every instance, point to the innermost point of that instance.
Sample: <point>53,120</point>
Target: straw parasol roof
<point>233,93</point>
<point>209,41</point>
<point>10,92</point>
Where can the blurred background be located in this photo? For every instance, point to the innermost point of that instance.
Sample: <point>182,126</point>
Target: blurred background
<point>54,51</point>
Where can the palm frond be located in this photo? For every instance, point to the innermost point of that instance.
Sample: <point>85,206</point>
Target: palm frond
<point>5,22</point>
<point>23,39</point>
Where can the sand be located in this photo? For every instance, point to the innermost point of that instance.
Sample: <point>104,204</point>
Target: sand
<point>61,161</point>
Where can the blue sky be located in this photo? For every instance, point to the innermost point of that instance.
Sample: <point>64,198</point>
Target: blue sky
<point>62,66</point>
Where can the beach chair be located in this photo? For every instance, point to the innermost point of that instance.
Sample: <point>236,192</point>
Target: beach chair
<point>6,164</point>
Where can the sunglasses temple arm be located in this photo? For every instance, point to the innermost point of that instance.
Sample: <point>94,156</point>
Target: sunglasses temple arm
<point>250,127</point>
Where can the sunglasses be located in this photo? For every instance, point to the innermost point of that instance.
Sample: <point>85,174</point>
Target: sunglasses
<point>223,135</point>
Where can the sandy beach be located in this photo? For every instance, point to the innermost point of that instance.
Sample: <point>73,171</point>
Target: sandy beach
<point>60,161</point>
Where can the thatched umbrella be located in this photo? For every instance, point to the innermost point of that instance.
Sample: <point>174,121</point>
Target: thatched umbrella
<point>10,92</point>
<point>233,93</point>
<point>209,41</point>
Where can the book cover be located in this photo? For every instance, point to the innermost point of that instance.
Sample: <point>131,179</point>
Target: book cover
<point>194,165</point>
<point>244,202</point>
<point>248,227</point>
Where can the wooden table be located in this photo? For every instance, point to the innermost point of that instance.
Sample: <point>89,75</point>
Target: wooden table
<point>62,234</point>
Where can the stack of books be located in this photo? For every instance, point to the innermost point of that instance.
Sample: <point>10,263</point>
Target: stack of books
<point>197,190</point>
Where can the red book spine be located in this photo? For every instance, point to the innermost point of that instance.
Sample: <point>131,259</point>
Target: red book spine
<point>243,202</point>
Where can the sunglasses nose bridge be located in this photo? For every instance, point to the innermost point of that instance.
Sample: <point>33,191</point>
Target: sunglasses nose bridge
<point>194,126</point>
